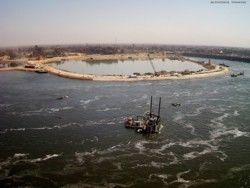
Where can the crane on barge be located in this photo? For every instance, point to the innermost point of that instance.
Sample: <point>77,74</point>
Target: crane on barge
<point>148,123</point>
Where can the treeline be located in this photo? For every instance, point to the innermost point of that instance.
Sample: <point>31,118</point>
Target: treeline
<point>35,52</point>
<point>38,52</point>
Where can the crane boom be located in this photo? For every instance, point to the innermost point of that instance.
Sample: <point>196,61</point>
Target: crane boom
<point>152,65</point>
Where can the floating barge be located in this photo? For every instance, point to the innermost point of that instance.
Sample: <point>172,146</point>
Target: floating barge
<point>148,123</point>
<point>237,74</point>
<point>224,65</point>
<point>41,71</point>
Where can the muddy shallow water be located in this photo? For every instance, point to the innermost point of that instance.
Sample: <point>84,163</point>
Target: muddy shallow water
<point>127,67</point>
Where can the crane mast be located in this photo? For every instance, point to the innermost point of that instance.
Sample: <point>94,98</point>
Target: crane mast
<point>153,67</point>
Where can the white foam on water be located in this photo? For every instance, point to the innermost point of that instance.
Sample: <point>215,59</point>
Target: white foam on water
<point>209,148</point>
<point>179,116</point>
<point>12,130</point>
<point>194,154</point>
<point>236,113</point>
<point>188,183</point>
<point>217,126</point>
<point>158,164</point>
<point>115,185</point>
<point>42,128</point>
<point>118,147</point>
<point>141,98</point>
<point>140,146</point>
<point>203,181</point>
<point>219,129</point>
<point>198,182</point>
<point>204,166</point>
<point>32,112</point>
<point>107,109</point>
<point>144,96</point>
<point>89,123</point>
<point>18,157</point>
<point>99,155</point>
<point>179,179</point>
<point>47,157</point>
<point>163,148</point>
<point>17,129</point>
<point>163,177</point>
<point>221,118</point>
<point>54,110</point>
<point>176,94</point>
<point>111,123</point>
<point>88,101</point>
<point>199,93</point>
<point>186,93</point>
<point>141,166</point>
<point>234,132</point>
<point>214,91</point>
<point>5,105</point>
<point>102,122</point>
<point>223,156</point>
<point>39,111</point>
<point>96,138</point>
<point>218,110</point>
<point>175,159</point>
<point>197,111</point>
<point>238,169</point>
<point>189,144</point>
<point>111,149</point>
<point>101,159</point>
<point>160,128</point>
<point>35,111</point>
<point>118,165</point>
<point>189,126</point>
<point>197,143</point>
<point>61,126</point>
<point>67,108</point>
<point>12,160</point>
<point>80,156</point>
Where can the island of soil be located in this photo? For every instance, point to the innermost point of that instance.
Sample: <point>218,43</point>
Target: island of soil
<point>40,63</point>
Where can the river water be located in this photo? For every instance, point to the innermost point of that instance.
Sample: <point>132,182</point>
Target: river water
<point>127,67</point>
<point>81,140</point>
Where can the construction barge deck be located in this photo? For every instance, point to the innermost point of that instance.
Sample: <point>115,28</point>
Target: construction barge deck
<point>149,123</point>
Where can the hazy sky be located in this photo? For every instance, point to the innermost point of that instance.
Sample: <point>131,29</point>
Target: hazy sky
<point>198,22</point>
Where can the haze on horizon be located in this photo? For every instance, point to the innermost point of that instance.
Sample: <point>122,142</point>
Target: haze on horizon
<point>192,22</point>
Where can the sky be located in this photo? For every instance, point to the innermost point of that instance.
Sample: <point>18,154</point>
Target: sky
<point>189,22</point>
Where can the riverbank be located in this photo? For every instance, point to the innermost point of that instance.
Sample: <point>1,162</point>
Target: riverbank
<point>216,72</point>
<point>44,65</point>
